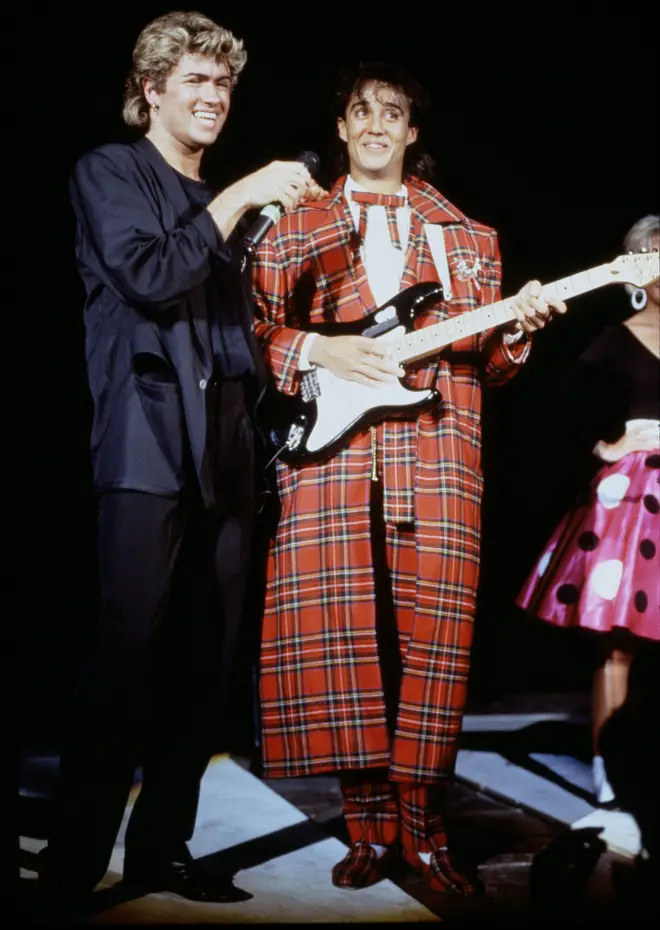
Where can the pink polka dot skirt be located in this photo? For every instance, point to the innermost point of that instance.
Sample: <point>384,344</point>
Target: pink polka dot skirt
<point>601,567</point>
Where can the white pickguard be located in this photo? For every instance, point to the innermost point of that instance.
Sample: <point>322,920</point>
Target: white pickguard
<point>341,403</point>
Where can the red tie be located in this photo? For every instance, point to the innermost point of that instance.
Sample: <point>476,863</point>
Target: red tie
<point>391,202</point>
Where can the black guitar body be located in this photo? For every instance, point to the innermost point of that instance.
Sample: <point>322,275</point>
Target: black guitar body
<point>290,420</point>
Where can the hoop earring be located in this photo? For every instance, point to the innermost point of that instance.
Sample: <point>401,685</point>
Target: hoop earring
<point>638,299</point>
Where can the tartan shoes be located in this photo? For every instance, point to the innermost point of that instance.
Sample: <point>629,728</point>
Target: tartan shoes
<point>362,866</point>
<point>442,873</point>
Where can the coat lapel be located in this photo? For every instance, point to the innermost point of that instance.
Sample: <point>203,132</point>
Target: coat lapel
<point>427,209</point>
<point>174,203</point>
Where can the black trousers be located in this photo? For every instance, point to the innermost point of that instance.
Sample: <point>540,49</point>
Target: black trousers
<point>153,690</point>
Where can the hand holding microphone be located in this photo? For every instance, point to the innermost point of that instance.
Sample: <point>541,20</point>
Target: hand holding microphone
<point>281,186</point>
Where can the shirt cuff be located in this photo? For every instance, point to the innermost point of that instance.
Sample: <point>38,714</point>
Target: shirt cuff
<point>510,338</point>
<point>303,361</point>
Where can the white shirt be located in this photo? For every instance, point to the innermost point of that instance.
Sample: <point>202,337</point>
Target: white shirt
<point>383,262</point>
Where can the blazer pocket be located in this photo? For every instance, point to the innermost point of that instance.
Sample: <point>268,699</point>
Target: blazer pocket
<point>155,389</point>
<point>151,373</point>
<point>159,440</point>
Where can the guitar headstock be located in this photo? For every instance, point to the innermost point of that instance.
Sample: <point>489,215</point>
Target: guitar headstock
<point>637,268</point>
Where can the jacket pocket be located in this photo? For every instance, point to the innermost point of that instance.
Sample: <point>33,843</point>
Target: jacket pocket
<point>158,431</point>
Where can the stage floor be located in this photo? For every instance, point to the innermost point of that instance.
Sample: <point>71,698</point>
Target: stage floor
<point>521,811</point>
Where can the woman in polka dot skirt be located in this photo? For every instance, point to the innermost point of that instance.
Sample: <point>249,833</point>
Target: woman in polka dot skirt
<point>601,567</point>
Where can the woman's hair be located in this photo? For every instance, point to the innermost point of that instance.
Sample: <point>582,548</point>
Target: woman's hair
<point>161,45</point>
<point>352,82</point>
<point>639,237</point>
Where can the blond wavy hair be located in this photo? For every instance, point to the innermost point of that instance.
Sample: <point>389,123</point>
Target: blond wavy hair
<point>161,45</point>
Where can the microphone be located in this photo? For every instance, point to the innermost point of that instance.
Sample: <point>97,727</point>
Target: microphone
<point>270,214</point>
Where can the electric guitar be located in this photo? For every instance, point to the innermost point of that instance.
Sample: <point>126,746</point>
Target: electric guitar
<point>316,422</point>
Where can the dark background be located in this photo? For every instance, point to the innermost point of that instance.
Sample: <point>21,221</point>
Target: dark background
<point>544,126</point>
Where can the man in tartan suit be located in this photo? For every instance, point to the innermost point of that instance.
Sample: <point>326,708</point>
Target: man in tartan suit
<point>373,569</point>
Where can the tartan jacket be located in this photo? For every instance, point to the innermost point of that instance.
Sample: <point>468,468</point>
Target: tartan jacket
<point>321,694</point>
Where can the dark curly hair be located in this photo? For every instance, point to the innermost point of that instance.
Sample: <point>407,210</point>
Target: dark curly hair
<point>351,81</point>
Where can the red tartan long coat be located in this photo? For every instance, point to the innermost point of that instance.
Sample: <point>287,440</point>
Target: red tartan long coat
<point>322,704</point>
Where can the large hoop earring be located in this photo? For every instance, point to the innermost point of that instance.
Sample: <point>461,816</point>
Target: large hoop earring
<point>638,299</point>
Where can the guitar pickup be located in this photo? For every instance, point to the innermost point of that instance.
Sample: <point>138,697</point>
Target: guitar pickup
<point>310,388</point>
<point>296,433</point>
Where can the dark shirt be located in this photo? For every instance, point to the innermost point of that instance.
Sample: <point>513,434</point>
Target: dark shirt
<point>628,376</point>
<point>615,379</point>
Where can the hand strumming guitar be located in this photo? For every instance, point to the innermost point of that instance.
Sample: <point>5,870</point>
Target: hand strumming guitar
<point>355,358</point>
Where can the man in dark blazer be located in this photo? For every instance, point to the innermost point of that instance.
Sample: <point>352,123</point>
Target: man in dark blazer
<point>175,377</point>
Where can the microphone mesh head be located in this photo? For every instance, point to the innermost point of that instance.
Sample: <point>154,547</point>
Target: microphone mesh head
<point>310,160</point>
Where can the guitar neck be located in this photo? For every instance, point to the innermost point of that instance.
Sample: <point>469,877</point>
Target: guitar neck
<point>432,339</point>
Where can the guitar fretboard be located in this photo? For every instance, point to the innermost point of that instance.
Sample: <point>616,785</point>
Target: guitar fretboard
<point>431,339</point>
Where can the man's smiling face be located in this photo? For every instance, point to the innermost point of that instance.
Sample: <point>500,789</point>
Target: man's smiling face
<point>377,131</point>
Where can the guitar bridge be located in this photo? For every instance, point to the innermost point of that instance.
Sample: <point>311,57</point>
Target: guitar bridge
<point>310,388</point>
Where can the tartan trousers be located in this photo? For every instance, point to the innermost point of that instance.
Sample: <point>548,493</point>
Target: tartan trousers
<point>376,810</point>
<point>384,813</point>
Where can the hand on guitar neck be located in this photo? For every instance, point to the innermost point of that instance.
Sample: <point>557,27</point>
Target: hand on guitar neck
<point>532,310</point>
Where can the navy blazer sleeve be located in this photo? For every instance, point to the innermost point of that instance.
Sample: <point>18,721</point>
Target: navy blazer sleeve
<point>135,255</point>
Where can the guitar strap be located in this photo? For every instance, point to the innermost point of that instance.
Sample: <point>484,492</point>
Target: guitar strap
<point>435,236</point>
